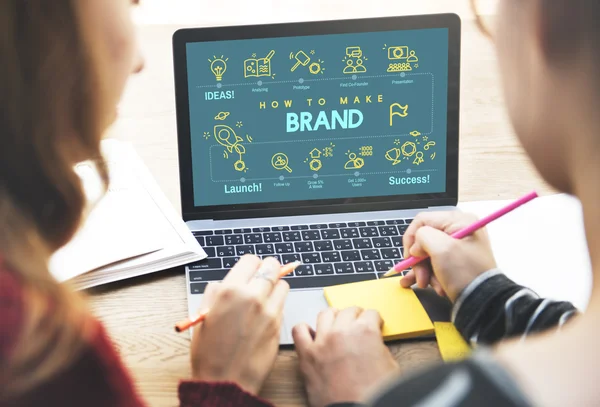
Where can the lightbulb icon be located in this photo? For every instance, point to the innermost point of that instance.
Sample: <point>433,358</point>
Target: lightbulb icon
<point>218,66</point>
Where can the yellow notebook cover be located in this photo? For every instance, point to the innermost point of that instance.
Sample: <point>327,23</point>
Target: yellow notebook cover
<point>402,312</point>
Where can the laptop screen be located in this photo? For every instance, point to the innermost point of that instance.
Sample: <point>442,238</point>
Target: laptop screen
<point>318,117</point>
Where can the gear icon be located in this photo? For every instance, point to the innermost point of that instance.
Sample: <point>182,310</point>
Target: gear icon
<point>315,165</point>
<point>239,165</point>
<point>314,68</point>
<point>409,149</point>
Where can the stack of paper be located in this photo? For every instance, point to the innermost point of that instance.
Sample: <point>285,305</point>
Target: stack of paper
<point>133,230</point>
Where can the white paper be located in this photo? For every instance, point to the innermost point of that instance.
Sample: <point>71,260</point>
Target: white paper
<point>178,245</point>
<point>135,229</point>
<point>542,245</point>
<point>116,229</point>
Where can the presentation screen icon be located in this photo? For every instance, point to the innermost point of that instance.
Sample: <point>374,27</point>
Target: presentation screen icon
<point>402,58</point>
<point>395,53</point>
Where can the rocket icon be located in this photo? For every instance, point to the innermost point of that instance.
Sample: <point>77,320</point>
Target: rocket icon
<point>226,137</point>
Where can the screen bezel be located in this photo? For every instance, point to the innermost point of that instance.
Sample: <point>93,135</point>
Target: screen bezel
<point>292,208</point>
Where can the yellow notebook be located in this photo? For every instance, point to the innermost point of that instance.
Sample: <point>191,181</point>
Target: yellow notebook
<point>402,312</point>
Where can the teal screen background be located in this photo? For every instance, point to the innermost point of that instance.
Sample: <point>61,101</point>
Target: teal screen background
<point>242,151</point>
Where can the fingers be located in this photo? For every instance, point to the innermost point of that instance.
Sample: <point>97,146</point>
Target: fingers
<point>302,338</point>
<point>433,219</point>
<point>437,286</point>
<point>276,301</point>
<point>409,279</point>
<point>347,316</point>
<point>448,222</point>
<point>208,299</point>
<point>432,242</point>
<point>422,275</point>
<point>265,278</point>
<point>325,320</point>
<point>243,270</point>
<point>372,318</point>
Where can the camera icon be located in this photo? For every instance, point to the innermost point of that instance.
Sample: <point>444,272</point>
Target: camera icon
<point>398,52</point>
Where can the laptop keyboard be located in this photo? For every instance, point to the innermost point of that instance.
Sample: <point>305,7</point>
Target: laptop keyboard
<point>334,253</point>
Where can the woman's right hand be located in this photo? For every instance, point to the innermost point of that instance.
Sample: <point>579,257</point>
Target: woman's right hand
<point>453,263</point>
<point>239,339</point>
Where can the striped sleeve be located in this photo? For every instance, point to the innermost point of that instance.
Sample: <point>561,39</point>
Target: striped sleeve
<point>475,382</point>
<point>493,308</point>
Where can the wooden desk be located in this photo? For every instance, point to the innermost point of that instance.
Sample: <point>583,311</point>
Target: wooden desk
<point>140,313</point>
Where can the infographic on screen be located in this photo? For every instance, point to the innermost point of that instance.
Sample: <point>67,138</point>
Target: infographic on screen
<point>318,117</point>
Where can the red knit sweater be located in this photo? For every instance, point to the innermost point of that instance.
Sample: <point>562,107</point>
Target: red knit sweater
<point>97,377</point>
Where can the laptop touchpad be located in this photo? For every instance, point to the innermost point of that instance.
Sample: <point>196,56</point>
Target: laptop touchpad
<point>301,306</point>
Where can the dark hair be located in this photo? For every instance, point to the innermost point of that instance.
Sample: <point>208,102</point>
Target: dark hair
<point>50,119</point>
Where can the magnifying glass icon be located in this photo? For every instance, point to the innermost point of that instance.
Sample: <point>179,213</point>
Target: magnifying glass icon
<point>280,162</point>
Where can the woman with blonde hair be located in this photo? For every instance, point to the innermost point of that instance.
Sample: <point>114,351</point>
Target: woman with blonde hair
<point>64,64</point>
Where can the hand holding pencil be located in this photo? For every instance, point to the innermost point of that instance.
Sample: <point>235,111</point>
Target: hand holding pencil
<point>447,250</point>
<point>239,337</point>
<point>201,316</point>
<point>453,263</point>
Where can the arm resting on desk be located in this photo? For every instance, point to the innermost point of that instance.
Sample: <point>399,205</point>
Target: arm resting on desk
<point>493,308</point>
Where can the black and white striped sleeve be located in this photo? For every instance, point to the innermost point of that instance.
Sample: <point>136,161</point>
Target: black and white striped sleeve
<point>493,308</point>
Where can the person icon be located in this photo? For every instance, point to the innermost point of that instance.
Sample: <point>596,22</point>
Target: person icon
<point>412,57</point>
<point>349,68</point>
<point>354,162</point>
<point>359,68</point>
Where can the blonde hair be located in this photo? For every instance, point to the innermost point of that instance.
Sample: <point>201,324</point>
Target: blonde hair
<point>50,119</point>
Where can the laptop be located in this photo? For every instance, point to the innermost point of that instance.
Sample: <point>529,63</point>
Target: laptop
<point>316,141</point>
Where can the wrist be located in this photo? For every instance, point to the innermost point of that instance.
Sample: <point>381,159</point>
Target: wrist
<point>457,287</point>
<point>249,385</point>
<point>470,288</point>
<point>462,284</point>
<point>202,393</point>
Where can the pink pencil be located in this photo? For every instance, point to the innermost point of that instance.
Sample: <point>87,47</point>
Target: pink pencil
<point>411,261</point>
